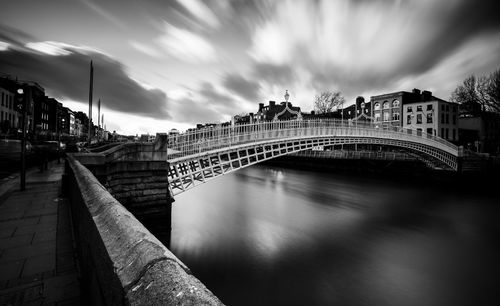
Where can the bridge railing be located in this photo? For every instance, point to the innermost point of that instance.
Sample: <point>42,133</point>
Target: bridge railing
<point>208,139</point>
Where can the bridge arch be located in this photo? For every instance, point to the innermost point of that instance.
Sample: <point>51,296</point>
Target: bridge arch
<point>204,155</point>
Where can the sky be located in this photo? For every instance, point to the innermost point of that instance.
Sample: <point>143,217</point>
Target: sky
<point>164,64</point>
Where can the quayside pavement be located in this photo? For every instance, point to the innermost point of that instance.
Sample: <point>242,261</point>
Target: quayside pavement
<point>37,254</point>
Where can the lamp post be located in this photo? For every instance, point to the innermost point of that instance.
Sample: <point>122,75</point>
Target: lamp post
<point>20,104</point>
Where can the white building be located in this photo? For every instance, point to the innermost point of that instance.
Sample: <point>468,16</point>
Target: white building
<point>437,117</point>
<point>7,109</point>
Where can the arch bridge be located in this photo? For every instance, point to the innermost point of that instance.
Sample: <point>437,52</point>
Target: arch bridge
<point>197,156</point>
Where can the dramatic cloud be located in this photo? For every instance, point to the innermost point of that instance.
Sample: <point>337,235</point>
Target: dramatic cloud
<point>274,74</point>
<point>185,45</point>
<point>200,11</point>
<point>146,49</point>
<point>242,87</point>
<point>64,72</point>
<point>221,58</point>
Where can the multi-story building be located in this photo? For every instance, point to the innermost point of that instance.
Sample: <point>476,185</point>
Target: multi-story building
<point>55,110</point>
<point>436,117</point>
<point>41,115</point>
<point>84,123</point>
<point>417,110</point>
<point>479,130</point>
<point>9,117</point>
<point>387,108</point>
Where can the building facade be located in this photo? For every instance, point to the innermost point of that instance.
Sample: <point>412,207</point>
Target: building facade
<point>437,118</point>
<point>387,109</point>
<point>9,117</point>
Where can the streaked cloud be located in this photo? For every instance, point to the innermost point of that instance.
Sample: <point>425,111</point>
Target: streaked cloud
<point>185,45</point>
<point>4,45</point>
<point>201,11</point>
<point>146,49</point>
<point>246,89</point>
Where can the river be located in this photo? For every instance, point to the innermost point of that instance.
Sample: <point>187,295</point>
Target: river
<point>278,236</point>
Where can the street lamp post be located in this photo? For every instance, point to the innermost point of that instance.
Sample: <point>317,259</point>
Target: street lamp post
<point>20,104</point>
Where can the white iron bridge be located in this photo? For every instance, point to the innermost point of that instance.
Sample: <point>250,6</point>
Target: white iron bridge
<point>200,155</point>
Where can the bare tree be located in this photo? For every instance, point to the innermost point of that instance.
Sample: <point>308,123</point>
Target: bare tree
<point>326,101</point>
<point>493,90</point>
<point>483,90</point>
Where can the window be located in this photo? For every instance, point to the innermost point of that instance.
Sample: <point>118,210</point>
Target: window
<point>419,118</point>
<point>442,118</point>
<point>442,107</point>
<point>395,115</point>
<point>395,103</point>
<point>429,117</point>
<point>386,105</point>
<point>442,132</point>
<point>454,132</point>
<point>377,117</point>
<point>386,116</point>
<point>377,106</point>
<point>408,119</point>
<point>454,119</point>
<point>429,131</point>
<point>429,107</point>
<point>419,108</point>
<point>409,109</point>
<point>447,118</point>
<point>447,134</point>
<point>447,108</point>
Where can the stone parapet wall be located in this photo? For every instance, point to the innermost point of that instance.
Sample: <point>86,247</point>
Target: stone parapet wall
<point>121,261</point>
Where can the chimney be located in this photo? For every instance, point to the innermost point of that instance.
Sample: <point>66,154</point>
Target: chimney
<point>416,91</point>
<point>272,103</point>
<point>426,95</point>
<point>261,106</point>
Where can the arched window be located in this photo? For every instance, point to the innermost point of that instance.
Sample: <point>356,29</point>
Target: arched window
<point>386,116</point>
<point>395,103</point>
<point>377,106</point>
<point>385,105</point>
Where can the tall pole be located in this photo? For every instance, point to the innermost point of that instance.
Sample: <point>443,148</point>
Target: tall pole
<point>90,101</point>
<point>99,120</point>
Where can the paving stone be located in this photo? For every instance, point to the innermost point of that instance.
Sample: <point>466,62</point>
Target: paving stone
<point>31,229</point>
<point>29,251</point>
<point>8,232</point>
<point>18,222</point>
<point>11,215</point>
<point>12,242</point>
<point>11,270</point>
<point>40,212</point>
<point>44,237</point>
<point>61,288</point>
<point>39,264</point>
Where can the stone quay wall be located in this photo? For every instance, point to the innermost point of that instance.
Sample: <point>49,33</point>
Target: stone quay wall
<point>121,261</point>
<point>136,175</point>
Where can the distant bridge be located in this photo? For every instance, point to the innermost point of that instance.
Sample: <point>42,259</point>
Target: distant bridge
<point>198,156</point>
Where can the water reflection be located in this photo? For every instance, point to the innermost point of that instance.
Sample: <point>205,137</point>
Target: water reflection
<point>275,236</point>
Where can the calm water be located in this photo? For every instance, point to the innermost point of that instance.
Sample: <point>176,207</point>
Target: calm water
<point>277,236</point>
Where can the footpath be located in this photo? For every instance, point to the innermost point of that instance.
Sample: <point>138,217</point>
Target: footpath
<point>37,254</point>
